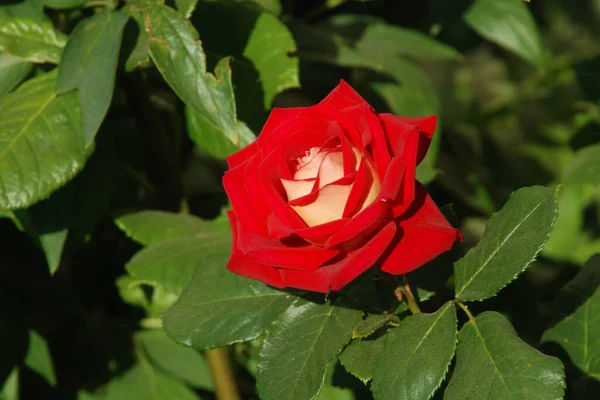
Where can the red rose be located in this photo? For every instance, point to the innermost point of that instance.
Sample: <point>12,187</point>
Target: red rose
<point>328,191</point>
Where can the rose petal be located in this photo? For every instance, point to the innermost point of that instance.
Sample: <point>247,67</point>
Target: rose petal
<point>246,266</point>
<point>271,252</point>
<point>343,96</point>
<point>397,127</point>
<point>426,235</point>
<point>337,275</point>
<point>362,224</point>
<point>328,206</point>
<point>365,189</point>
<point>239,157</point>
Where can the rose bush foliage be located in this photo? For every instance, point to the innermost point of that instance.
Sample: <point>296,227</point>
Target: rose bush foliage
<point>327,191</point>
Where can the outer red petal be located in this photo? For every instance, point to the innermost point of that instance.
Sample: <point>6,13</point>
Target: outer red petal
<point>363,224</point>
<point>245,265</point>
<point>337,275</point>
<point>396,127</point>
<point>244,154</point>
<point>343,96</point>
<point>425,235</point>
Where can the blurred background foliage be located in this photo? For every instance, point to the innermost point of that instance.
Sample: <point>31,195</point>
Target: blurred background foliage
<point>517,91</point>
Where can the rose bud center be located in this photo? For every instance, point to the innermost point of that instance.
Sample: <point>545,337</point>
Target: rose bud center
<point>324,180</point>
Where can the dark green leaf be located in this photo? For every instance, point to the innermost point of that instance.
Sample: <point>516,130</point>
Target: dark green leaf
<point>181,362</point>
<point>208,138</point>
<point>416,356</point>
<point>578,328</point>
<point>171,264</point>
<point>177,52</point>
<point>41,141</point>
<point>371,323</point>
<point>509,24</point>
<point>361,356</point>
<point>584,168</point>
<point>12,72</point>
<point>513,238</point>
<point>136,38</point>
<point>493,363</point>
<point>219,308</point>
<point>31,40</point>
<point>89,65</point>
<point>152,227</point>
<point>298,347</point>
<point>38,357</point>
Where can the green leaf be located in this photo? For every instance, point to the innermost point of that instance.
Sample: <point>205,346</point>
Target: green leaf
<point>181,362</point>
<point>63,4</point>
<point>41,142</point>
<point>578,327</point>
<point>360,357</point>
<point>186,7</point>
<point>89,65</point>
<point>416,356</point>
<point>298,347</point>
<point>177,52</point>
<point>219,308</point>
<point>372,323</point>
<point>135,39</point>
<point>269,46</point>
<point>273,6</point>
<point>391,39</point>
<point>171,264</point>
<point>208,138</point>
<point>513,238</point>
<point>31,40</point>
<point>152,227</point>
<point>584,169</point>
<point>493,363</point>
<point>39,359</point>
<point>143,382</point>
<point>10,388</point>
<point>12,72</point>
<point>509,24</point>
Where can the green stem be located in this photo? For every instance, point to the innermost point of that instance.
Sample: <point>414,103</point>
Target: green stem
<point>222,374</point>
<point>466,310</point>
<point>404,293</point>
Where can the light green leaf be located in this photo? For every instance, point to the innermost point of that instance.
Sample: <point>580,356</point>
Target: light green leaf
<point>508,23</point>
<point>416,356</point>
<point>391,39</point>
<point>298,347</point>
<point>273,6</point>
<point>10,389</point>
<point>269,46</point>
<point>181,362</point>
<point>12,72</point>
<point>584,169</point>
<point>41,142</point>
<point>63,4</point>
<point>208,138</point>
<point>186,7</point>
<point>493,363</point>
<point>578,326</point>
<point>171,264</point>
<point>513,238</point>
<point>177,52</point>
<point>143,382</point>
<point>361,356</point>
<point>152,227</point>
<point>219,308</point>
<point>31,40</point>
<point>39,359</point>
<point>89,65</point>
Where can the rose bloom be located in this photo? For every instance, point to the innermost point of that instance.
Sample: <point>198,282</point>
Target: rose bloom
<point>327,192</point>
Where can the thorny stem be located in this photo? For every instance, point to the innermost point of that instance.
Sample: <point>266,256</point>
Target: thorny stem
<point>404,293</point>
<point>222,375</point>
<point>466,310</point>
